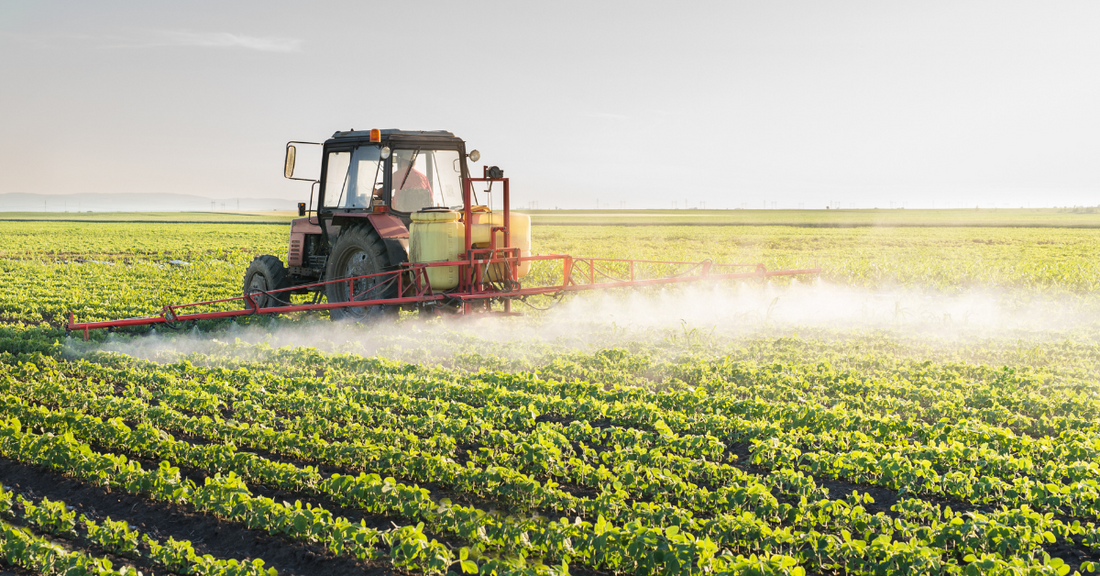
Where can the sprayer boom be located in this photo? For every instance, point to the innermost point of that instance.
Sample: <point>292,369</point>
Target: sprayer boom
<point>483,281</point>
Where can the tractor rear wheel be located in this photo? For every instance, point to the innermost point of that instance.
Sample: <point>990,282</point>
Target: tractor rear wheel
<point>359,251</point>
<point>264,274</point>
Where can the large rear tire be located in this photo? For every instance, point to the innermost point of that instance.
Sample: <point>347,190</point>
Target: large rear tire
<point>359,251</point>
<point>264,274</point>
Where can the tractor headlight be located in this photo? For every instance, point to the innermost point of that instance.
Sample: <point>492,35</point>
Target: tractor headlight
<point>474,156</point>
<point>385,152</point>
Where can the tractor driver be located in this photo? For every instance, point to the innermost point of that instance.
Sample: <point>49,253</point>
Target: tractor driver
<point>405,176</point>
<point>410,186</point>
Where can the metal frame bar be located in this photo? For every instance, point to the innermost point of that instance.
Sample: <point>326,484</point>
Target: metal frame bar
<point>422,293</point>
<point>474,265</point>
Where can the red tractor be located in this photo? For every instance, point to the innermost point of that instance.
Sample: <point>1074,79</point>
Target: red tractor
<point>374,185</point>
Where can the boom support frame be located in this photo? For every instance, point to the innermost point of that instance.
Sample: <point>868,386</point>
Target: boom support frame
<point>477,288</point>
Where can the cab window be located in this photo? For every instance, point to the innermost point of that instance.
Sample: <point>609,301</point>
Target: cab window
<point>425,178</point>
<point>353,177</point>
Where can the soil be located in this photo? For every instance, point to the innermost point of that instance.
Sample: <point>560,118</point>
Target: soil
<point>209,535</point>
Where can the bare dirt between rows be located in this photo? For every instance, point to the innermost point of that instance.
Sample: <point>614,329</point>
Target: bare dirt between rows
<point>209,535</point>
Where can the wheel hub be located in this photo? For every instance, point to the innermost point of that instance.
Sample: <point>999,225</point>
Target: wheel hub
<point>359,264</point>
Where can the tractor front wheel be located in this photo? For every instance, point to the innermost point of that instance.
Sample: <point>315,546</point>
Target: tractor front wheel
<point>359,251</point>
<point>264,274</point>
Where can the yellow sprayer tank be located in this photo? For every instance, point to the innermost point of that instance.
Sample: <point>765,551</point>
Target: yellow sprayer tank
<point>436,235</point>
<point>520,237</point>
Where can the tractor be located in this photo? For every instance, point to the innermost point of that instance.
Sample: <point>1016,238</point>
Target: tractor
<point>374,186</point>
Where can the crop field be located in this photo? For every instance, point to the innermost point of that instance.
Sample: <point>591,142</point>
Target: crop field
<point>929,405</point>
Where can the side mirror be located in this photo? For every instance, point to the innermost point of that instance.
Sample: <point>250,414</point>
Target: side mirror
<point>312,151</point>
<point>288,167</point>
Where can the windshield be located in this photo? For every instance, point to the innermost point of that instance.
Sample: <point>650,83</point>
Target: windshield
<point>426,178</point>
<point>353,177</point>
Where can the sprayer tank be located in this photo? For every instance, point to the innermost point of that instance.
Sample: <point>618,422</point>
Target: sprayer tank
<point>438,236</point>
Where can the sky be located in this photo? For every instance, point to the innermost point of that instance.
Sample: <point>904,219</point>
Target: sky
<point>777,104</point>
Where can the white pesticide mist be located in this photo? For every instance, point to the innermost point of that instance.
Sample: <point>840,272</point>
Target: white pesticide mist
<point>749,308</point>
<point>724,312</point>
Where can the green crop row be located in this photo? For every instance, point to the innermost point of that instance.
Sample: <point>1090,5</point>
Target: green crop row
<point>1000,544</point>
<point>54,517</point>
<point>230,498</point>
<point>548,448</point>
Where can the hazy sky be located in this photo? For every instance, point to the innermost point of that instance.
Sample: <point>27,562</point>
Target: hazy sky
<point>625,103</point>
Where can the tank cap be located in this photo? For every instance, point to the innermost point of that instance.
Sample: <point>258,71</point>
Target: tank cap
<point>435,214</point>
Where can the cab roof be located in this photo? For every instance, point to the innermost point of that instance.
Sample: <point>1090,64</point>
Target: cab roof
<point>390,132</point>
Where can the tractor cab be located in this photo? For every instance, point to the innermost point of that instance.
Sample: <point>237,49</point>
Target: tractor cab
<point>396,172</point>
